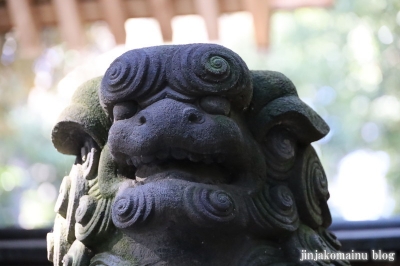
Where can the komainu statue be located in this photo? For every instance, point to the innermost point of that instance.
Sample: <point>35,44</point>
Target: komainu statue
<point>186,157</point>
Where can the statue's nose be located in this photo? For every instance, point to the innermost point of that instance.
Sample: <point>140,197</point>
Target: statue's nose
<point>169,113</point>
<point>164,124</point>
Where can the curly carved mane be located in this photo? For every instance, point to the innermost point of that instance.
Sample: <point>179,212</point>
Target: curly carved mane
<point>260,197</point>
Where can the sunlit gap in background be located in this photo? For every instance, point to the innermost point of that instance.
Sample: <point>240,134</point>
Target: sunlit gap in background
<point>358,185</point>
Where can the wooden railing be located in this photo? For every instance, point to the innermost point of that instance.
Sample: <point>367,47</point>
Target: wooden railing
<point>28,247</point>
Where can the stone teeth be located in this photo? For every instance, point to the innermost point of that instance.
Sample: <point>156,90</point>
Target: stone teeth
<point>195,157</point>
<point>219,158</point>
<point>179,154</point>
<point>147,159</point>
<point>136,161</point>
<point>163,154</point>
<point>207,159</point>
<point>140,179</point>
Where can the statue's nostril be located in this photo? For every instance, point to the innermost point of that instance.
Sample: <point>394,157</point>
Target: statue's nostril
<point>194,116</point>
<point>142,120</point>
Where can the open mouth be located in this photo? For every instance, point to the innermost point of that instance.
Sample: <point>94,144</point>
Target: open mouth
<point>176,163</point>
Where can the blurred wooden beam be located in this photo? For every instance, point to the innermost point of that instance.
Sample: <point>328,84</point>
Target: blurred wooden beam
<point>26,28</point>
<point>90,11</point>
<point>261,11</point>
<point>115,16</point>
<point>5,24</point>
<point>69,22</point>
<point>163,11</point>
<point>27,16</point>
<point>209,10</point>
<point>293,4</point>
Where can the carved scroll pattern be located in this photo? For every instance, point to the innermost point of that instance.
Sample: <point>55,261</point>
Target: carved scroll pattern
<point>78,255</point>
<point>280,151</point>
<point>311,191</point>
<point>132,208</point>
<point>307,239</point>
<point>93,220</point>
<point>333,244</point>
<point>83,215</point>
<point>274,210</point>
<point>203,206</point>
<point>210,69</point>
<point>57,243</point>
<point>135,75</point>
<point>209,207</point>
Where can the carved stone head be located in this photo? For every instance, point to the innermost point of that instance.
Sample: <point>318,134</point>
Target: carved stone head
<point>186,157</point>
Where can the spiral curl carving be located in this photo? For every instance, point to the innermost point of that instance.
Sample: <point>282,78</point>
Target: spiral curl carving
<point>311,241</point>
<point>280,152</point>
<point>61,205</point>
<point>85,210</point>
<point>330,239</point>
<point>134,75</point>
<point>207,207</point>
<point>78,255</point>
<point>334,245</point>
<point>320,181</point>
<point>274,210</point>
<point>93,219</point>
<point>307,239</point>
<point>311,190</point>
<point>210,69</point>
<point>132,207</point>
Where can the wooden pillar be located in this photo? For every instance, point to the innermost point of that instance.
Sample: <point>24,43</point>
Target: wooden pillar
<point>115,16</point>
<point>261,11</point>
<point>209,10</point>
<point>163,12</point>
<point>26,28</point>
<point>69,22</point>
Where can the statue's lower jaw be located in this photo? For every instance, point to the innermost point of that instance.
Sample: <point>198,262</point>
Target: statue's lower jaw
<point>172,215</point>
<point>180,220</point>
<point>190,204</point>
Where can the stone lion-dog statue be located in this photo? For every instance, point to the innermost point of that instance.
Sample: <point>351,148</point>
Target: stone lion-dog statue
<point>186,157</point>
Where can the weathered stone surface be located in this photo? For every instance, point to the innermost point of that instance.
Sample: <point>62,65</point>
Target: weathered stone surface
<point>186,157</point>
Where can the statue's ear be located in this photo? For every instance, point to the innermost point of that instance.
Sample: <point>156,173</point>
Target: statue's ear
<point>82,122</point>
<point>285,126</point>
<point>276,103</point>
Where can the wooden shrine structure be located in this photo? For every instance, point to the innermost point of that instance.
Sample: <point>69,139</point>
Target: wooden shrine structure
<point>28,17</point>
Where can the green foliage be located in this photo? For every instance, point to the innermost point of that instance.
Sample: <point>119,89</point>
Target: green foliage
<point>345,63</point>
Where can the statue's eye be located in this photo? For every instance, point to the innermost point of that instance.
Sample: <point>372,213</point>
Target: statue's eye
<point>215,105</point>
<point>124,110</point>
